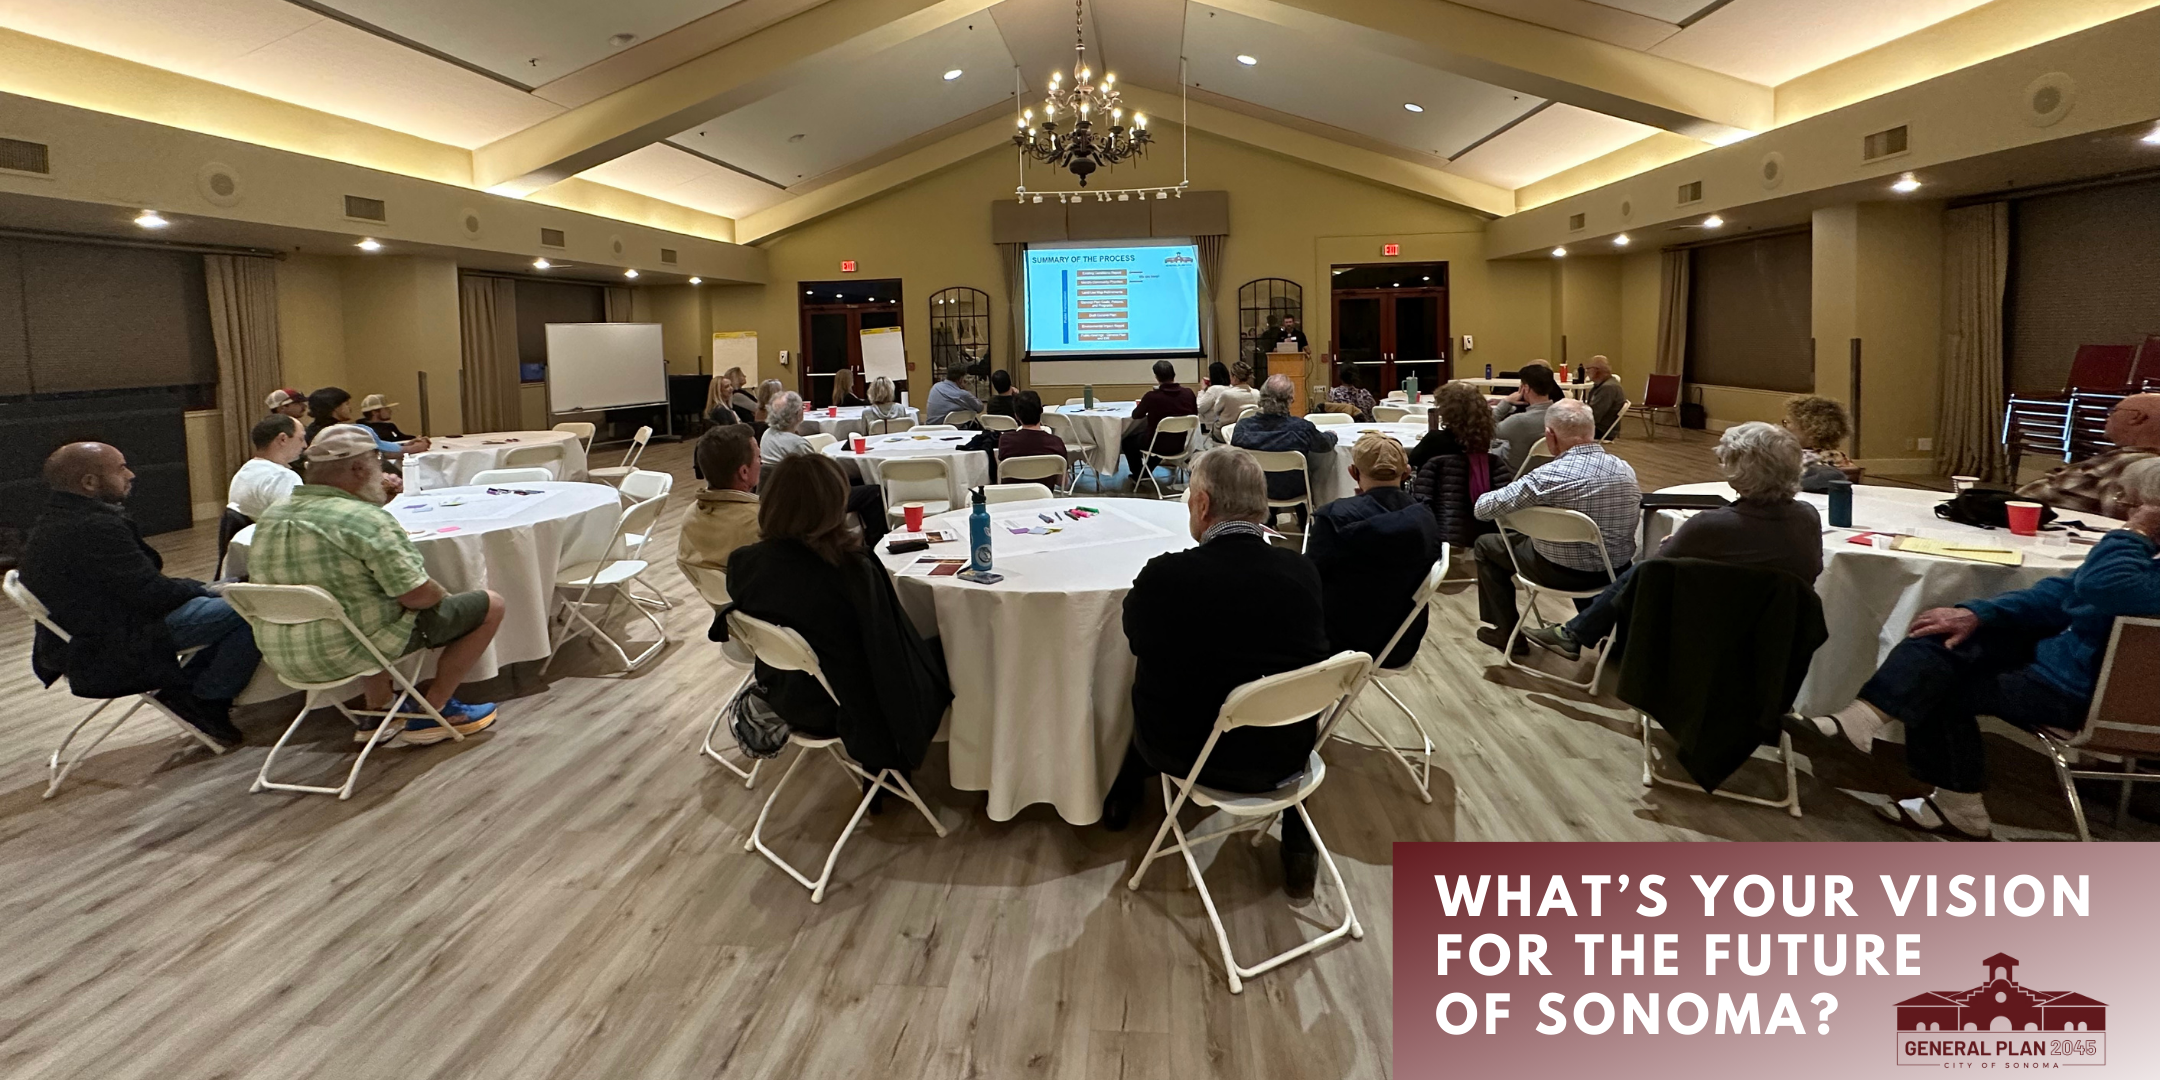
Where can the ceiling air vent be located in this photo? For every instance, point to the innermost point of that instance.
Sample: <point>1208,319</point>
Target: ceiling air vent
<point>1883,144</point>
<point>1690,192</point>
<point>25,157</point>
<point>1575,222</point>
<point>362,208</point>
<point>667,255</point>
<point>552,238</point>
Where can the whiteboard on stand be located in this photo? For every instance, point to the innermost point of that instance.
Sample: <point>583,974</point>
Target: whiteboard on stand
<point>883,355</point>
<point>604,366</point>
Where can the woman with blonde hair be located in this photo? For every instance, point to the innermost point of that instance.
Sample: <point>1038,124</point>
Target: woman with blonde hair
<point>1462,460</point>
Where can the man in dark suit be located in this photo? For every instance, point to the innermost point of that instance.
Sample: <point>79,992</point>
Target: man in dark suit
<point>1168,399</point>
<point>1372,551</point>
<point>1288,330</point>
<point>86,561</point>
<point>1183,677</point>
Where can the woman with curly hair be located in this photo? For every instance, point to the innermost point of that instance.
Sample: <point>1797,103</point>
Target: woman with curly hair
<point>1821,426</point>
<point>1453,466</point>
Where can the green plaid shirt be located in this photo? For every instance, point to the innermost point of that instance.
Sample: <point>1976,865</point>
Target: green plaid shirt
<point>356,552</point>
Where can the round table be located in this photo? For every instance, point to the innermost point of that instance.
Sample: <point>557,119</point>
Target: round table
<point>1104,425</point>
<point>968,469</point>
<point>1334,483</point>
<point>1870,596</point>
<point>845,420</point>
<point>513,544</point>
<point>1041,672</point>
<point>452,460</point>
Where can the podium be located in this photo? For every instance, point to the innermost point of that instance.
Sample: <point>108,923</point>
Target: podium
<point>1297,366</point>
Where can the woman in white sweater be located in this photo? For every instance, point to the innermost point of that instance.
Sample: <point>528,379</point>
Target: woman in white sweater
<point>1227,393</point>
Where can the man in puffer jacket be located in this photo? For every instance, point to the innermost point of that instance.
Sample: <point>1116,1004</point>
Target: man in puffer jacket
<point>1372,550</point>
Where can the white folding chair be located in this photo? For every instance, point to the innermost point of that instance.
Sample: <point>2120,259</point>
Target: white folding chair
<point>1539,454</point>
<point>1274,701</point>
<point>1187,426</point>
<point>548,457</point>
<point>711,586</point>
<point>1554,526</point>
<point>820,441</point>
<point>1225,434</point>
<point>958,417</point>
<point>2120,725</point>
<point>1398,395</point>
<point>1420,773</point>
<point>1329,419</point>
<point>784,649</point>
<point>995,422</point>
<point>644,485</point>
<point>611,572</point>
<point>927,480</point>
<point>302,605</point>
<point>583,431</point>
<point>614,473</point>
<point>1612,430</point>
<point>1389,414</point>
<point>1248,410</point>
<point>893,426</point>
<point>1077,447</point>
<point>1072,401</point>
<point>1033,467</point>
<point>1005,493</point>
<point>56,771</point>
<point>513,476</point>
<point>1286,461</point>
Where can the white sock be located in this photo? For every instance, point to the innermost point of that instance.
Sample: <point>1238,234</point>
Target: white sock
<point>1966,810</point>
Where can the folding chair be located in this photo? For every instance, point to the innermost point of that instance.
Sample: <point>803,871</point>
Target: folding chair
<point>820,441</point>
<point>644,485</point>
<point>893,426</point>
<point>613,473</point>
<point>583,431</point>
<point>1398,395</point>
<point>1077,447</point>
<point>711,586</point>
<point>1187,426</point>
<point>1554,526</point>
<point>1033,467</point>
<point>1661,394</point>
<point>55,771</point>
<point>1421,602</point>
<point>995,422</point>
<point>1325,419</point>
<point>1539,454</point>
<point>927,480</point>
<point>1286,461</point>
<point>2121,724</point>
<point>1005,493</point>
<point>1389,414</point>
<point>544,457</point>
<point>784,649</point>
<point>301,605</point>
<point>1612,430</point>
<point>513,476</point>
<point>1273,701</point>
<point>230,522</point>
<point>1072,401</point>
<point>612,574</point>
<point>1249,410</point>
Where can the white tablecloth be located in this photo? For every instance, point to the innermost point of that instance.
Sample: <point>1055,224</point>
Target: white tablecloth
<point>1104,425</point>
<point>1041,672</point>
<point>847,421</point>
<point>1330,484</point>
<point>1508,386</point>
<point>1871,596</point>
<point>452,460</point>
<point>968,468</point>
<point>513,544</point>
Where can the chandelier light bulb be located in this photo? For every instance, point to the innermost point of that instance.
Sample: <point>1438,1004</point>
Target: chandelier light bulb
<point>1139,120</point>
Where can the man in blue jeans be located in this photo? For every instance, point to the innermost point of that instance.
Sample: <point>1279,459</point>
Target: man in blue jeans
<point>86,561</point>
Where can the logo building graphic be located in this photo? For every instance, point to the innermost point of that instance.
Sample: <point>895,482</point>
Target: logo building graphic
<point>2063,1026</point>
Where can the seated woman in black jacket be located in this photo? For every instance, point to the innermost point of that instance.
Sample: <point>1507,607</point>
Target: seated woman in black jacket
<point>812,574</point>
<point>1453,466</point>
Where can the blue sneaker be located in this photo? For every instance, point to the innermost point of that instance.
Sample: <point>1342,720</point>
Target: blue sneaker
<point>422,730</point>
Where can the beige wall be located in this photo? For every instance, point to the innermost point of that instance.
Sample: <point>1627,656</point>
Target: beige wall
<point>685,324</point>
<point>1641,278</point>
<point>1589,294</point>
<point>207,473</point>
<point>401,319</point>
<point>311,320</point>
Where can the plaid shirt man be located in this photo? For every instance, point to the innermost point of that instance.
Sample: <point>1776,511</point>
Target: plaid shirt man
<point>2091,486</point>
<point>1583,478</point>
<point>358,553</point>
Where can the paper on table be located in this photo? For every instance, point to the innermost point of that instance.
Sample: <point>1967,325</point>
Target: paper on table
<point>426,508</point>
<point>1070,534</point>
<point>932,566</point>
<point>1952,550</point>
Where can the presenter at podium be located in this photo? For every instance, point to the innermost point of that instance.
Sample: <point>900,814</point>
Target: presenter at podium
<point>1288,330</point>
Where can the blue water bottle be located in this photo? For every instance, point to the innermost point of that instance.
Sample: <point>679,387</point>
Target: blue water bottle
<point>1841,504</point>
<point>1488,371</point>
<point>979,536</point>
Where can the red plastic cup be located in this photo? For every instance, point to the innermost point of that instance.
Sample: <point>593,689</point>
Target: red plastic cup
<point>832,410</point>
<point>913,511</point>
<point>861,444</point>
<point>2024,517</point>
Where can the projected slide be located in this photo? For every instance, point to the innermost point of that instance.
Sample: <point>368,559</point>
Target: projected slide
<point>1113,301</point>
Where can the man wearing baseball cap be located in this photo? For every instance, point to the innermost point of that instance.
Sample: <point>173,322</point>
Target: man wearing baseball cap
<point>334,533</point>
<point>375,416</point>
<point>287,402</point>
<point>1372,551</point>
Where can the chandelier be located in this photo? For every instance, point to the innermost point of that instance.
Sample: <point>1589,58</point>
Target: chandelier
<point>1083,149</point>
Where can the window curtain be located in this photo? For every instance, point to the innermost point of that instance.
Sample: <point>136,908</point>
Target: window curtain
<point>244,327</point>
<point>618,304</point>
<point>1211,250</point>
<point>487,338</point>
<point>1013,258</point>
<point>1672,313</point>
<point>1976,265</point>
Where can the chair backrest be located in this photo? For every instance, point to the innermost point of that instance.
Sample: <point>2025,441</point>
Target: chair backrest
<point>1005,493</point>
<point>711,584</point>
<point>995,422</point>
<point>935,427</point>
<point>1398,395</point>
<point>637,446</point>
<point>1072,401</point>
<point>820,441</point>
<point>1661,392</point>
<point>297,605</point>
<point>1421,598</point>
<point>548,457</point>
<point>2101,367</point>
<point>1248,410</point>
<point>1539,454</point>
<point>958,417</point>
<point>1326,419</point>
<point>892,426</point>
<point>1389,414</point>
<point>637,519</point>
<point>643,484</point>
<point>1225,432</point>
<point>513,476</point>
<point>1612,430</point>
<point>2122,716</point>
<point>1032,467</point>
<point>1556,526</point>
<point>1291,696</point>
<point>1063,427</point>
<point>916,479</point>
<point>31,605</point>
<point>778,647</point>
<point>1284,461</point>
<point>583,431</point>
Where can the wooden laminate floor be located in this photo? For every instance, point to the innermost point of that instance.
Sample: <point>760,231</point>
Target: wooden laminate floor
<point>567,895</point>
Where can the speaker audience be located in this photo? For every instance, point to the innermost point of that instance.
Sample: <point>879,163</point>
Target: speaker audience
<point>1821,426</point>
<point>1606,396</point>
<point>287,402</point>
<point>1002,396</point>
<point>1229,390</point>
<point>1372,551</point>
<point>1273,428</point>
<point>843,393</point>
<point>1168,399</point>
<point>882,404</point>
<point>1582,477</point>
<point>1350,390</point>
<point>1457,464</point>
<point>1030,438</point>
<point>2096,484</point>
<point>375,416</point>
<point>783,414</point>
<point>724,517</point>
<point>949,397</point>
<point>267,478</point>
<point>1520,417</point>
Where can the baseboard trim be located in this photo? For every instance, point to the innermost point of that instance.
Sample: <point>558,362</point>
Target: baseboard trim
<point>208,511</point>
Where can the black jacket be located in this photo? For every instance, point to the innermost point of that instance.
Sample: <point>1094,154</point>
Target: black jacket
<point>1715,653</point>
<point>1442,481</point>
<point>1372,551</point>
<point>1186,668</point>
<point>891,683</point>
<point>87,563</point>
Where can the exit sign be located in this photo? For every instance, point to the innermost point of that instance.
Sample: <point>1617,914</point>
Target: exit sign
<point>847,266</point>
<point>1391,249</point>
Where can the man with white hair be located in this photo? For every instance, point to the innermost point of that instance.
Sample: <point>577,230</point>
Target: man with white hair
<point>1582,477</point>
<point>333,533</point>
<point>1606,396</point>
<point>1274,429</point>
<point>783,414</point>
<point>1182,679</point>
<point>1768,527</point>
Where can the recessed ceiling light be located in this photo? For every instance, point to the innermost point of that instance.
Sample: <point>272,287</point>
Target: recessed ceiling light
<point>697,281</point>
<point>1246,60</point>
<point>2152,137</point>
<point>1413,106</point>
<point>149,219</point>
<point>1559,253</point>
<point>631,273</point>
<point>953,74</point>
<point>1712,222</point>
<point>369,243</point>
<point>621,40</point>
<point>1906,184</point>
<point>541,264</point>
<point>1620,240</point>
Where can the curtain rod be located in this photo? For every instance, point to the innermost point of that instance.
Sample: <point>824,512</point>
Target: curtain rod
<point>153,245</point>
